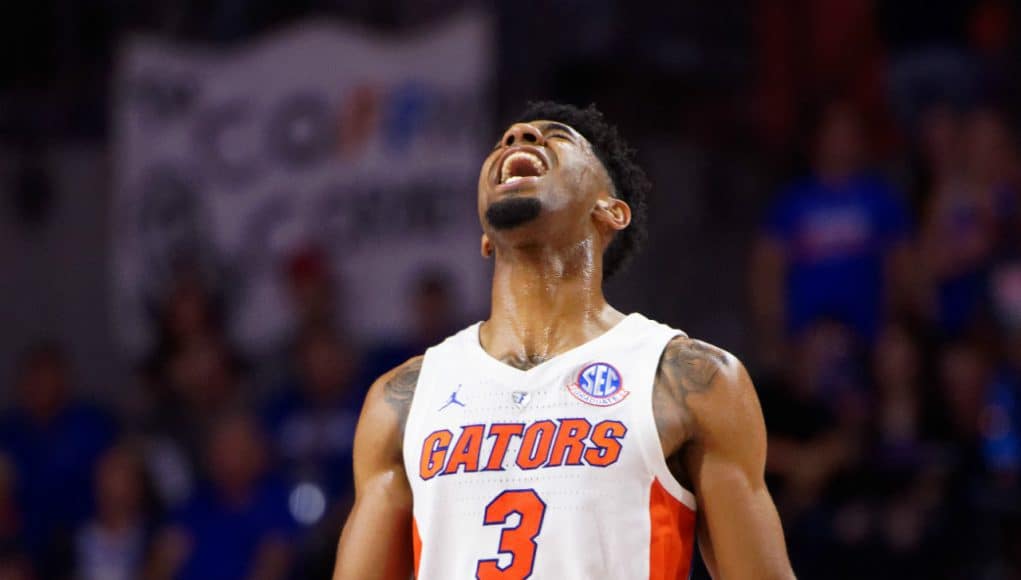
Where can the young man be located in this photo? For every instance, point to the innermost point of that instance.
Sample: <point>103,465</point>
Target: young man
<point>561,438</point>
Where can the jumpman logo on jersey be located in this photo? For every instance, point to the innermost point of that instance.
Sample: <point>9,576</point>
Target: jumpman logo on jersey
<point>453,399</point>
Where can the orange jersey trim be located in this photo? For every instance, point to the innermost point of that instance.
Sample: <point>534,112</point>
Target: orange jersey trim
<point>672,537</point>
<point>416,544</point>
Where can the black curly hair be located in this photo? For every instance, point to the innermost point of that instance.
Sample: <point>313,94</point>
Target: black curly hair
<point>629,181</point>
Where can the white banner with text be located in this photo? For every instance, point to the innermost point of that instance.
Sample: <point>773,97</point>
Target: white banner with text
<point>230,163</point>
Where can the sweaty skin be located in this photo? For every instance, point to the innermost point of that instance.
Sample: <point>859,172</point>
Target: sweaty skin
<point>547,299</point>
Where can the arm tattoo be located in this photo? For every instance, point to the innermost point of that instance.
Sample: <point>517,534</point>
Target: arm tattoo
<point>687,366</point>
<point>401,388</point>
<point>523,363</point>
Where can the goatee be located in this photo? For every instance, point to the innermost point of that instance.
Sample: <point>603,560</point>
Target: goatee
<point>512,212</point>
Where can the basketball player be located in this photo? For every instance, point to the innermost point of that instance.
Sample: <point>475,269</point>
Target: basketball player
<point>561,439</point>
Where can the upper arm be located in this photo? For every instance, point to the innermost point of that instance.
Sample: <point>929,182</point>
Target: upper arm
<point>376,542</point>
<point>723,448</point>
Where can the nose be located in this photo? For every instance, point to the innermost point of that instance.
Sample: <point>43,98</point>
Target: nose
<point>520,133</point>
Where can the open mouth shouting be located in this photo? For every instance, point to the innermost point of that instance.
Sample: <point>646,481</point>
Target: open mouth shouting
<point>521,166</point>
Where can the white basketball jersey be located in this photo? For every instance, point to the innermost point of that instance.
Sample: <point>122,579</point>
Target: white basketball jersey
<point>555,472</point>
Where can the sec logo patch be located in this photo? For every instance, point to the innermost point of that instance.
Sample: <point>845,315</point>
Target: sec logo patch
<point>598,384</point>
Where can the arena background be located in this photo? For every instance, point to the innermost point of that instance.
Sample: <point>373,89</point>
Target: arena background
<point>219,220</point>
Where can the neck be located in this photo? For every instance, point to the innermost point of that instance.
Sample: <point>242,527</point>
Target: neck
<point>545,302</point>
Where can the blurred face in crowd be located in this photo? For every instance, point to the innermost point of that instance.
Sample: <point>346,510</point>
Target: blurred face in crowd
<point>896,360</point>
<point>939,136</point>
<point>201,374</point>
<point>989,148</point>
<point>236,455</point>
<point>43,384</point>
<point>840,142</point>
<point>543,182</point>
<point>1012,346</point>
<point>7,485</point>
<point>897,368</point>
<point>326,365</point>
<point>119,486</point>
<point>964,373</point>
<point>15,568</point>
<point>188,311</point>
<point>432,307</point>
<point>311,287</point>
<point>313,300</point>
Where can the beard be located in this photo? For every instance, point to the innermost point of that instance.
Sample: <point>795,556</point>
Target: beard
<point>512,212</point>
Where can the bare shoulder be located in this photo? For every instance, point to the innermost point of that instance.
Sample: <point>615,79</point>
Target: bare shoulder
<point>694,378</point>
<point>394,391</point>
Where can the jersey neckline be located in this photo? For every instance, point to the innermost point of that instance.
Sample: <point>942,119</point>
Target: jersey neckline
<point>481,353</point>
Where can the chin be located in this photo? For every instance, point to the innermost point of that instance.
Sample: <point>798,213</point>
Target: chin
<point>513,211</point>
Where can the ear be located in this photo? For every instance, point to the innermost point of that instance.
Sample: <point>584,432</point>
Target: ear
<point>486,247</point>
<point>614,213</point>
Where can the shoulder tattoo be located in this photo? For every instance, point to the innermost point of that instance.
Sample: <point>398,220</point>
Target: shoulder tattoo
<point>687,366</point>
<point>401,388</point>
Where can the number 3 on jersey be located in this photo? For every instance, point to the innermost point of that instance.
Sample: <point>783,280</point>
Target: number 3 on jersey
<point>518,541</point>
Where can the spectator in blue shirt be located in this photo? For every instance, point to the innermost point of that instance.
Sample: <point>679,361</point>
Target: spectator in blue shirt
<point>970,219</point>
<point>312,421</point>
<point>1001,424</point>
<point>112,545</point>
<point>53,443</point>
<point>830,241</point>
<point>1001,437</point>
<point>434,316</point>
<point>238,526</point>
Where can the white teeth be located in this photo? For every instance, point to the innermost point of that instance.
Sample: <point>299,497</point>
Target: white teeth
<point>505,176</point>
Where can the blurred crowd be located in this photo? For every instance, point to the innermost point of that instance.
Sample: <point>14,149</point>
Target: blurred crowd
<point>890,344</point>
<point>884,291</point>
<point>888,364</point>
<point>885,288</point>
<point>209,466</point>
